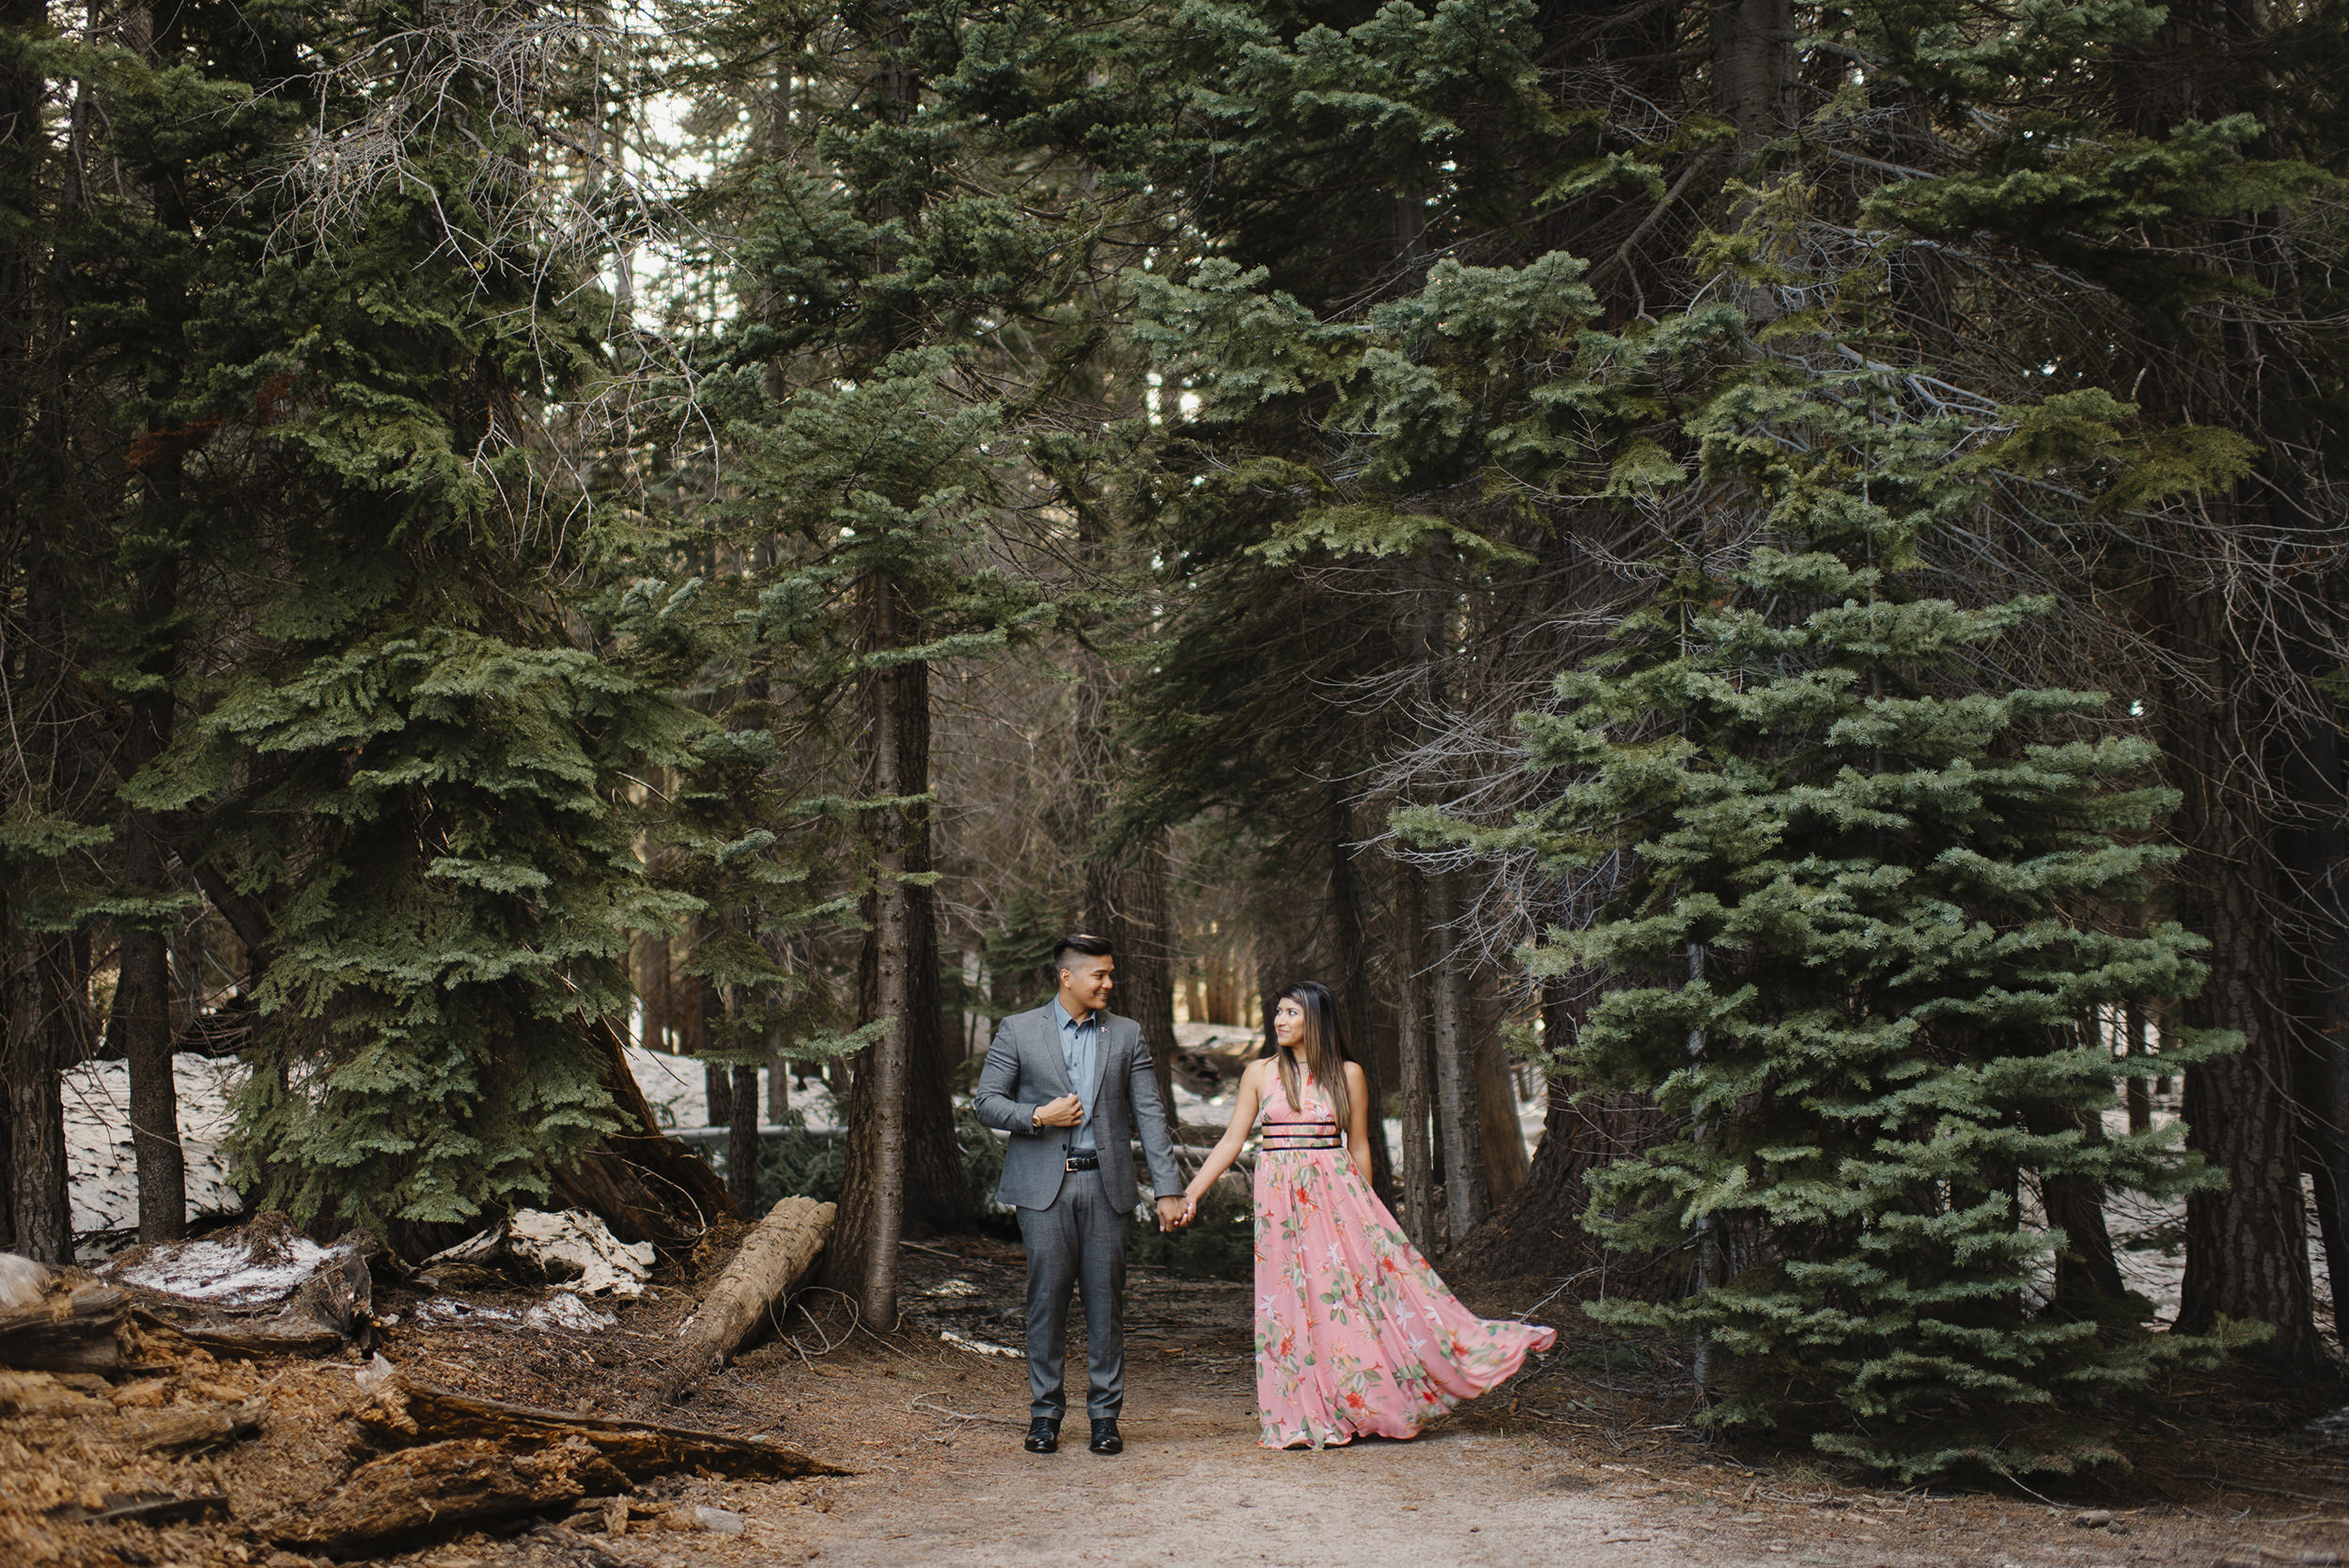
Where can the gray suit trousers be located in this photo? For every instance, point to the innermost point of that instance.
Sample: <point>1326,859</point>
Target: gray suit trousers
<point>1078,1242</point>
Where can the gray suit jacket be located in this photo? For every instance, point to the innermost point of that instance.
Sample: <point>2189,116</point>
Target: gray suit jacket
<point>1025,1069</point>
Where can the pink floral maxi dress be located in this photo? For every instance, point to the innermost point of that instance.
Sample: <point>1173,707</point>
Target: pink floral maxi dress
<point>1354,1332</point>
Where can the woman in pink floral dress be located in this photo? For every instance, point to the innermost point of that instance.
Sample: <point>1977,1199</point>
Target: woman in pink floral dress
<point>1354,1332</point>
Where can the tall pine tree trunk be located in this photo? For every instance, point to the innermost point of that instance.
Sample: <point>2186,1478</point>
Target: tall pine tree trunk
<point>40,1222</point>
<point>743,1143</point>
<point>36,1221</point>
<point>1147,961</point>
<point>2312,854</point>
<point>872,1200</point>
<point>1500,1134</point>
<point>142,1006</point>
<point>1753,68</point>
<point>2246,1244</point>
<point>1459,1108</point>
<point>143,1010</point>
<point>903,1163</point>
<point>1125,895</point>
<point>1352,941</point>
<point>1416,1063</point>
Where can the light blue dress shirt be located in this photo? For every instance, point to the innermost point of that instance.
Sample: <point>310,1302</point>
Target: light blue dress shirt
<point>1080,1049</point>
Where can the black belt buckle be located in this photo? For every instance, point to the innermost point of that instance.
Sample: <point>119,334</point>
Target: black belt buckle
<point>1083,1162</point>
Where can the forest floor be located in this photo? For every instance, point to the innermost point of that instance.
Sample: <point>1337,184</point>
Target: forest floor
<point>1585,1458</point>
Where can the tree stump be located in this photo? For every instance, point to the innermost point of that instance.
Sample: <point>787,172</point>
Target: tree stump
<point>73,1330</point>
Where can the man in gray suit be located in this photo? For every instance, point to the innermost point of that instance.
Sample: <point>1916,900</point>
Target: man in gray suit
<point>1068,1082</point>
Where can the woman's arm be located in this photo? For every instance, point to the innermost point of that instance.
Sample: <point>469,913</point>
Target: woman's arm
<point>1357,1116</point>
<point>1227,1148</point>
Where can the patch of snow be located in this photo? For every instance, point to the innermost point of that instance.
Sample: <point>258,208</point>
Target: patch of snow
<point>226,1273</point>
<point>449,1309</point>
<point>978,1347</point>
<point>577,1247</point>
<point>574,1246</point>
<point>100,1167</point>
<point>676,1089</point>
<point>562,1309</point>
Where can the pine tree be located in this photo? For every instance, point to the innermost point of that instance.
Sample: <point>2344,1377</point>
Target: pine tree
<point>1861,907</point>
<point>396,760</point>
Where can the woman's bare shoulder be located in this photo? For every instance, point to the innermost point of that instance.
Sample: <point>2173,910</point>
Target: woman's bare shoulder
<point>1356,1079</point>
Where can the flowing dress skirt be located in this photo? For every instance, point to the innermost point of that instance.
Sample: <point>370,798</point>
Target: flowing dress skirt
<point>1355,1333</point>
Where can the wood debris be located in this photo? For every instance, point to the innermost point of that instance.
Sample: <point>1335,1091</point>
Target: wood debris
<point>408,1409</point>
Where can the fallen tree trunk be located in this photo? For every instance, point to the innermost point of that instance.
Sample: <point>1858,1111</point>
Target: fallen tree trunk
<point>440,1488</point>
<point>408,1409</point>
<point>645,1185</point>
<point>244,1337</point>
<point>73,1330</point>
<point>775,1260</point>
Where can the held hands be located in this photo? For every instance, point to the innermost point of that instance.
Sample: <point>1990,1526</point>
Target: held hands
<point>1175,1213</point>
<point>1067,1111</point>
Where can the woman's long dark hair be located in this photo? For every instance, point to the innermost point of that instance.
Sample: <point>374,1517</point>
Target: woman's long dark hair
<point>1323,1048</point>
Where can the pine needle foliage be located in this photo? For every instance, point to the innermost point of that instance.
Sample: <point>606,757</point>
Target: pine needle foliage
<point>397,759</point>
<point>1861,907</point>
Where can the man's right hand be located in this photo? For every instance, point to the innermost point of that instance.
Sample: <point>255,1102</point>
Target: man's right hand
<point>1067,1111</point>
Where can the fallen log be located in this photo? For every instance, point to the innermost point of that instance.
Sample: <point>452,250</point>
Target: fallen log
<point>246,1338</point>
<point>408,1409</point>
<point>775,1260</point>
<point>437,1489</point>
<point>71,1330</point>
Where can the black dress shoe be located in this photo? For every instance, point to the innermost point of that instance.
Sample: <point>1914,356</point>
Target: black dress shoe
<point>1105,1438</point>
<point>1043,1435</point>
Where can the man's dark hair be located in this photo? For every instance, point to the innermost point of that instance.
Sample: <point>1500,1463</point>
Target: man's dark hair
<point>1076,941</point>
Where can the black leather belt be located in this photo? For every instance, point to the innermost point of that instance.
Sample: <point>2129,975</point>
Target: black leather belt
<point>1083,1162</point>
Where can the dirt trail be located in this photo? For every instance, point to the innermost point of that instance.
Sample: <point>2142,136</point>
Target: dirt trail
<point>1192,1486</point>
<point>1552,1469</point>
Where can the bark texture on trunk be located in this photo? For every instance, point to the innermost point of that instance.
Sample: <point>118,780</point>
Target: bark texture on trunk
<point>143,1003</point>
<point>1353,942</point>
<point>1126,902</point>
<point>33,673</point>
<point>2087,1283</point>
<point>143,1000</point>
<point>2312,856</point>
<point>743,1142</point>
<point>1753,68</point>
<point>1500,1137</point>
<point>1539,1231</point>
<point>41,1221</point>
<point>1145,957</point>
<point>2246,1244</point>
<point>1459,1109</point>
<point>873,1195</point>
<point>1423,1214</point>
